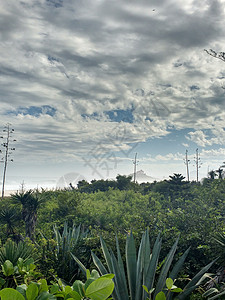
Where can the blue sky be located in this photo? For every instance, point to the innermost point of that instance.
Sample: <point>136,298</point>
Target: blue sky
<point>87,84</point>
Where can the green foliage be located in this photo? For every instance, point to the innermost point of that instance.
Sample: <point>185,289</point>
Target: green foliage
<point>141,270</point>
<point>14,274</point>
<point>30,202</point>
<point>96,287</point>
<point>9,216</point>
<point>170,288</point>
<point>12,251</point>
<point>193,210</point>
<point>55,253</point>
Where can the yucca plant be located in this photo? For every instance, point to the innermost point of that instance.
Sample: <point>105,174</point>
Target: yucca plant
<point>30,201</point>
<point>9,216</point>
<point>141,269</point>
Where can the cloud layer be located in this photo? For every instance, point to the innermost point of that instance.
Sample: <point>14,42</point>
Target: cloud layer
<point>69,68</point>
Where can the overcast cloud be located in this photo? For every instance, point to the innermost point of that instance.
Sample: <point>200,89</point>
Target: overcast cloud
<point>69,68</point>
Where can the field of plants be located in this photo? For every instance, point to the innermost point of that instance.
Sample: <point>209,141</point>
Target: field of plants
<point>115,240</point>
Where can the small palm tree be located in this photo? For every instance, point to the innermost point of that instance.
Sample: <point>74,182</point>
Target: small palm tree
<point>220,173</point>
<point>30,202</point>
<point>212,174</point>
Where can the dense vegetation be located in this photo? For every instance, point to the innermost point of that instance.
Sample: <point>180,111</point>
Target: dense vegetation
<point>54,224</point>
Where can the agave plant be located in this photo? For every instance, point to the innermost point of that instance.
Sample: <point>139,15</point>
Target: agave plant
<point>215,287</point>
<point>69,241</point>
<point>12,251</point>
<point>141,269</point>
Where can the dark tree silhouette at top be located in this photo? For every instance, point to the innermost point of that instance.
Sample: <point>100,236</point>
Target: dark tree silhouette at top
<point>177,179</point>
<point>212,174</point>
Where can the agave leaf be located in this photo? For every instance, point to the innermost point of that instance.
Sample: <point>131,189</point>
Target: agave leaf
<point>165,269</point>
<point>178,265</point>
<point>150,276</point>
<point>84,270</point>
<point>120,286</point>
<point>195,282</point>
<point>176,269</point>
<point>217,296</point>
<point>198,276</point>
<point>131,261</point>
<point>98,264</point>
<point>106,255</point>
<point>121,266</point>
<point>210,292</point>
<point>147,252</point>
<point>142,263</point>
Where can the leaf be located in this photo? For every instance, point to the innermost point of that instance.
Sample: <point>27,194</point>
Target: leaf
<point>32,291</point>
<point>169,283</point>
<point>165,269</point>
<point>10,294</point>
<point>145,288</point>
<point>78,286</point>
<point>99,264</point>
<point>194,283</point>
<point>88,282</point>
<point>176,269</point>
<point>150,275</point>
<point>160,296</point>
<point>43,286</point>
<point>82,267</point>
<point>45,296</point>
<point>120,285</point>
<point>100,289</point>
<point>176,290</point>
<point>217,296</point>
<point>67,289</point>
<point>106,255</point>
<point>2,282</point>
<point>7,268</point>
<point>94,274</point>
<point>110,276</point>
<point>54,288</point>
<point>121,270</point>
<point>74,295</point>
<point>22,289</point>
<point>131,261</point>
<point>210,292</point>
<point>88,275</point>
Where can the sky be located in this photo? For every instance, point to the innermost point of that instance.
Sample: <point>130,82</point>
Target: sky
<point>87,84</point>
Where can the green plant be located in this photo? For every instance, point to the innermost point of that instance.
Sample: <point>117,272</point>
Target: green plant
<point>67,243</point>
<point>9,217</point>
<point>12,251</point>
<point>96,287</point>
<point>214,293</point>
<point>30,202</point>
<point>21,272</point>
<point>55,253</point>
<point>141,269</point>
<point>170,288</point>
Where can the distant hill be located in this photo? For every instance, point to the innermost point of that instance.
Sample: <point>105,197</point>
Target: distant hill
<point>141,176</point>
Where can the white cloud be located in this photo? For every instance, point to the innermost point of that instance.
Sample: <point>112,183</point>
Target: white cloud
<point>87,58</point>
<point>215,136</point>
